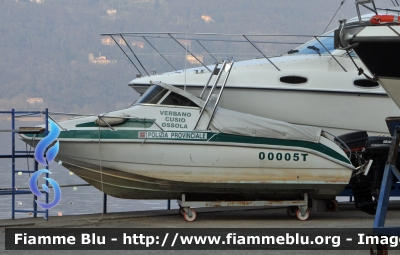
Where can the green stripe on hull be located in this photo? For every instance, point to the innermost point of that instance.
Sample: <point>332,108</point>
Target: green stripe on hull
<point>128,123</point>
<point>214,137</point>
<point>279,142</point>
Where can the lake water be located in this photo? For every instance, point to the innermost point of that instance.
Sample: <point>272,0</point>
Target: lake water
<point>74,200</point>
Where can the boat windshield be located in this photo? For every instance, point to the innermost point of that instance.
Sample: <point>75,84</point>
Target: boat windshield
<point>160,95</point>
<point>152,95</point>
<point>176,99</point>
<point>314,47</point>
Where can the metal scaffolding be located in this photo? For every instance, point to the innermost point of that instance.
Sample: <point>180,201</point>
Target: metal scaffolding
<point>16,154</point>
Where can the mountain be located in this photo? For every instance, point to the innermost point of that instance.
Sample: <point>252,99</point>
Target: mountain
<point>52,49</point>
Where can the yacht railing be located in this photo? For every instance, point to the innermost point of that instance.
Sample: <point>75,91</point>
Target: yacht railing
<point>373,8</point>
<point>181,38</point>
<point>226,66</point>
<point>363,3</point>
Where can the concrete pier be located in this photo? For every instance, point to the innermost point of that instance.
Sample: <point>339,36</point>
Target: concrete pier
<point>346,217</point>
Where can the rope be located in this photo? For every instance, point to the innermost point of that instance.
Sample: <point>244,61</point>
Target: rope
<point>101,177</point>
<point>334,15</point>
<point>360,70</point>
<point>29,153</point>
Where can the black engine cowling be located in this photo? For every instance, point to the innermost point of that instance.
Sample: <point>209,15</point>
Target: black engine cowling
<point>366,187</point>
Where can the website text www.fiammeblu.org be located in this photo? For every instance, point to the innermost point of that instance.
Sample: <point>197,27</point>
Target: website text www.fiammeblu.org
<point>192,239</point>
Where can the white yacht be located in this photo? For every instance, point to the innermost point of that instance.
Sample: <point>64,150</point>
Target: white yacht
<point>313,84</point>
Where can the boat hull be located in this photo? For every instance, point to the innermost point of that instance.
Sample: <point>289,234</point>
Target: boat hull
<point>157,170</point>
<point>378,48</point>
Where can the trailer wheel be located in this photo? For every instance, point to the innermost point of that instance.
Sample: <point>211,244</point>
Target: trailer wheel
<point>189,218</point>
<point>291,211</point>
<point>332,206</point>
<point>379,249</point>
<point>181,211</point>
<point>302,217</point>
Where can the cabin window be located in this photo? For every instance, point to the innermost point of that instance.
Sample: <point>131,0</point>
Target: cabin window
<point>314,47</point>
<point>293,79</point>
<point>156,93</point>
<point>176,99</point>
<point>352,53</point>
<point>152,95</point>
<point>364,83</point>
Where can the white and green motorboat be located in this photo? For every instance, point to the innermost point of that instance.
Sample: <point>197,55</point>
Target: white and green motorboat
<point>171,143</point>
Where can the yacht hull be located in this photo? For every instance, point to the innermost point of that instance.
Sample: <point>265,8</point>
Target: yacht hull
<point>329,99</point>
<point>335,111</point>
<point>378,48</point>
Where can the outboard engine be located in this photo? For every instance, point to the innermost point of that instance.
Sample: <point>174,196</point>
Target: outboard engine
<point>369,156</point>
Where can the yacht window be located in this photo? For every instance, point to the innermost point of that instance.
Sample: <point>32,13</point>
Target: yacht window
<point>176,99</point>
<point>314,47</point>
<point>293,79</point>
<point>152,95</point>
<point>364,83</point>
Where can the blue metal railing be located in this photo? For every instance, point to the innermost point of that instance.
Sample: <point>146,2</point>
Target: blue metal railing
<point>16,154</point>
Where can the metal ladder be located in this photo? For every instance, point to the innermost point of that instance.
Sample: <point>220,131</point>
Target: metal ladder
<point>220,67</point>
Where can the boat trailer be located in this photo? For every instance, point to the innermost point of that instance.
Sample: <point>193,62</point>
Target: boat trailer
<point>298,208</point>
